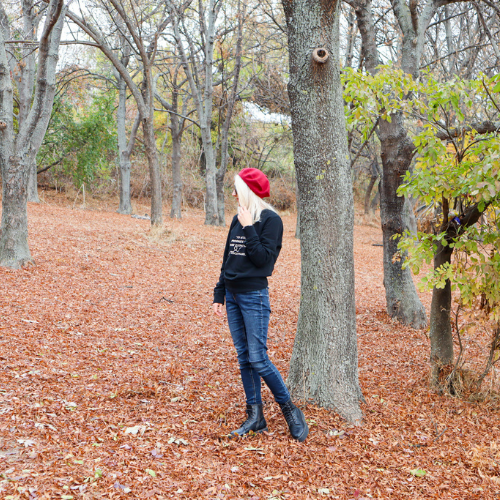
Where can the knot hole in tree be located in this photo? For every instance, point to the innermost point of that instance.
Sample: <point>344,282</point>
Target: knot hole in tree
<point>320,55</point>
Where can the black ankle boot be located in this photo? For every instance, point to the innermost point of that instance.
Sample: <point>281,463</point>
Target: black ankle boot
<point>295,420</point>
<point>255,422</point>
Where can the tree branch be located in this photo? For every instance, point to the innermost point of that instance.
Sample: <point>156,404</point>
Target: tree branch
<point>485,127</point>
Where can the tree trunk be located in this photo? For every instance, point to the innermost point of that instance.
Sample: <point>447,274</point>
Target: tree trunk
<point>397,149</point>
<point>369,193</point>
<point>14,249</point>
<point>211,212</point>
<point>409,218</point>
<point>324,365</point>
<point>24,78</point>
<point>154,171</point>
<point>176,131</point>
<point>440,322</point>
<point>19,154</point>
<point>123,151</point>
<point>375,202</point>
<point>176,168</point>
<point>15,252</point>
<point>220,199</point>
<point>449,41</point>
<point>440,326</point>
<point>203,96</point>
<point>373,179</point>
<point>33,184</point>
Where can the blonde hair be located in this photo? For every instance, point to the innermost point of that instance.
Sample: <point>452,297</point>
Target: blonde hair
<point>247,198</point>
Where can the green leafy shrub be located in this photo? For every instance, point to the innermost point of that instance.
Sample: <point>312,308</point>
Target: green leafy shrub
<point>81,141</point>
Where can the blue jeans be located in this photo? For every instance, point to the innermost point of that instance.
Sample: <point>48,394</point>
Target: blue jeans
<point>248,319</point>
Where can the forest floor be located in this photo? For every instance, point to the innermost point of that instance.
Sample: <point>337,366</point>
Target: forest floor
<point>116,381</point>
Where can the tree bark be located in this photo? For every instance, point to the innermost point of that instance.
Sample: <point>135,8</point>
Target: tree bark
<point>324,365</point>
<point>221,207</point>
<point>297,205</point>
<point>14,248</point>
<point>440,326</point>
<point>211,213</point>
<point>33,184</point>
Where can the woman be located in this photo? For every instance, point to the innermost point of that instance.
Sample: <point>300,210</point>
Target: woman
<point>252,247</point>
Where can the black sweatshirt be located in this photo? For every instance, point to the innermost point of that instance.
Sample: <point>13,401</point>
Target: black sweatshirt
<point>250,255</point>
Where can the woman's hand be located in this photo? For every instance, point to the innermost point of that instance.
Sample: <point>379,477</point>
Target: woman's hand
<point>218,309</point>
<point>244,216</point>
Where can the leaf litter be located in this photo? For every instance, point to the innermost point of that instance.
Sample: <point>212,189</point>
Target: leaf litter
<point>117,381</point>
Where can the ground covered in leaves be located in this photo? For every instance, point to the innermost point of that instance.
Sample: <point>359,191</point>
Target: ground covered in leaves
<point>116,381</point>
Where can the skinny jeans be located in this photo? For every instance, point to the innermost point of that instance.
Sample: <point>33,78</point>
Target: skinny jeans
<point>248,318</point>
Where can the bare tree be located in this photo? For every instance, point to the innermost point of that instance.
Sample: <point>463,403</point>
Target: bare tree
<point>179,122</point>
<point>201,82</point>
<point>228,101</point>
<point>197,57</point>
<point>18,151</point>
<point>141,28</point>
<point>22,61</point>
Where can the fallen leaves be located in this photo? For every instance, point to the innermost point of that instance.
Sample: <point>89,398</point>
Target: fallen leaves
<point>115,380</point>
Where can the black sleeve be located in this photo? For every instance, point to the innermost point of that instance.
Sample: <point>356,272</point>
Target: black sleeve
<point>220,287</point>
<point>264,249</point>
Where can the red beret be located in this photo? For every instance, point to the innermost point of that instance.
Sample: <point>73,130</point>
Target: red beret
<point>256,180</point>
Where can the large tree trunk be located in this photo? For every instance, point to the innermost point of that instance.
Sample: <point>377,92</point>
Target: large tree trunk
<point>123,151</point>
<point>440,326</point>
<point>14,249</point>
<point>401,296</point>
<point>324,365</point>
